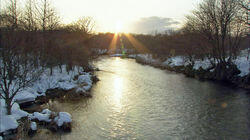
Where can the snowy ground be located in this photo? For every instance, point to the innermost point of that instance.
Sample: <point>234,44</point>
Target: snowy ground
<point>182,61</point>
<point>174,61</point>
<point>63,80</point>
<point>63,117</point>
<point>121,55</point>
<point>116,55</point>
<point>100,51</point>
<point>242,62</point>
<point>148,58</point>
<point>10,121</point>
<point>44,116</point>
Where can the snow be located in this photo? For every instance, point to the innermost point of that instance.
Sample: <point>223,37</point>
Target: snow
<point>243,62</point>
<point>25,96</point>
<point>86,79</point>
<point>63,117</point>
<point>100,51</point>
<point>46,111</point>
<point>116,55</point>
<point>177,61</point>
<point>243,65</point>
<point>8,122</point>
<point>129,56</point>
<point>132,56</point>
<point>62,80</point>
<point>205,64</point>
<point>174,61</point>
<point>33,126</point>
<point>16,112</point>
<point>41,117</point>
<point>147,58</point>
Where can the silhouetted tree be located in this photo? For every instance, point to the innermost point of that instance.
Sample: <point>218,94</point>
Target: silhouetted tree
<point>221,23</point>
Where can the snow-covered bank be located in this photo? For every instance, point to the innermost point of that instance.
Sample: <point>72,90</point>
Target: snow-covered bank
<point>60,79</point>
<point>63,117</point>
<point>48,116</point>
<point>116,55</point>
<point>75,78</point>
<point>148,58</point>
<point>100,51</point>
<point>202,69</point>
<point>124,55</point>
<point>242,62</point>
<point>9,122</point>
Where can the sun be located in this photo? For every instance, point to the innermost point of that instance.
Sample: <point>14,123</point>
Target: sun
<point>118,27</point>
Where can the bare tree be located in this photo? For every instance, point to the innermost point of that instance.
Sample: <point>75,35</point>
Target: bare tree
<point>16,73</point>
<point>47,15</point>
<point>221,23</point>
<point>30,16</point>
<point>17,69</point>
<point>49,21</point>
<point>13,14</point>
<point>84,24</point>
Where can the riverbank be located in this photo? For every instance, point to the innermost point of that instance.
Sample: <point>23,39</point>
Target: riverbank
<point>202,70</point>
<point>62,84</point>
<point>236,74</point>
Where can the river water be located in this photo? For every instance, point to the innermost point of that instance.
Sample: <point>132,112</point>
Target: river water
<point>134,101</point>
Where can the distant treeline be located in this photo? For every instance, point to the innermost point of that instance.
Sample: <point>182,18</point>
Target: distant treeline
<point>216,29</point>
<point>175,43</point>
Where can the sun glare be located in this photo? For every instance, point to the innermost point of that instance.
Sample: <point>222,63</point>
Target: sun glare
<point>118,27</point>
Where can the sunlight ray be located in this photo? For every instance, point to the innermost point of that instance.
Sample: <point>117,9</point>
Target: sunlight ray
<point>137,45</point>
<point>113,44</point>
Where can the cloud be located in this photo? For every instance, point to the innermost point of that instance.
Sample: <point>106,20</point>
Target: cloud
<point>153,24</point>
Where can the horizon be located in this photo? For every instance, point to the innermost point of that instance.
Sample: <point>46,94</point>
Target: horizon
<point>125,16</point>
<point>131,16</point>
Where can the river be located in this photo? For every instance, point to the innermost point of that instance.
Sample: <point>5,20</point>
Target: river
<point>134,101</point>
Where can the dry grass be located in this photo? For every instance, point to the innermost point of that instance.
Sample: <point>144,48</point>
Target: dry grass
<point>23,128</point>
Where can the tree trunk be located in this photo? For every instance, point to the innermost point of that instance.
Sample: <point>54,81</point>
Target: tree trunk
<point>60,66</point>
<point>8,106</point>
<point>51,70</point>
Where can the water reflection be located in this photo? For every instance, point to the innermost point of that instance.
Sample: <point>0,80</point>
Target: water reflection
<point>118,89</point>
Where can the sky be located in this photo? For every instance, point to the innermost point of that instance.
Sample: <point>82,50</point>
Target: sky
<point>127,15</point>
<point>137,16</point>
